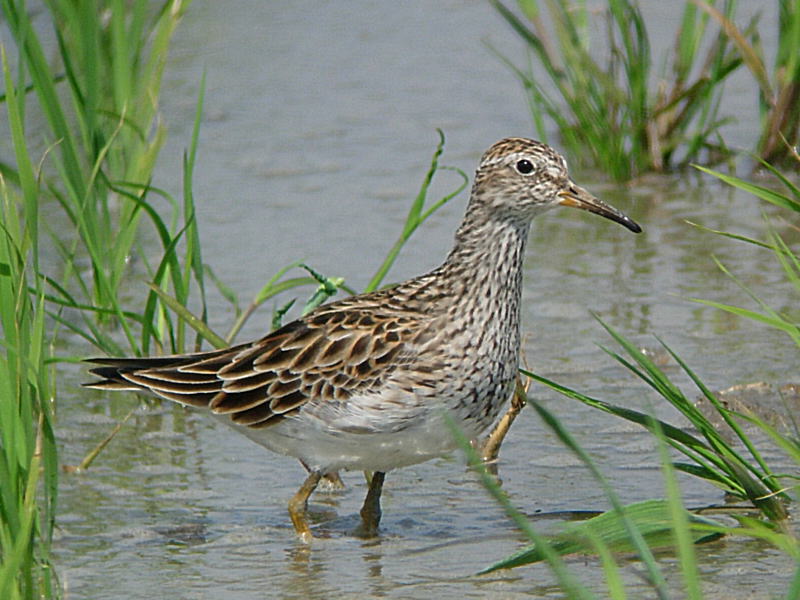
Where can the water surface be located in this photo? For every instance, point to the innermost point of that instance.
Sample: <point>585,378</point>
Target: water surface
<point>319,124</point>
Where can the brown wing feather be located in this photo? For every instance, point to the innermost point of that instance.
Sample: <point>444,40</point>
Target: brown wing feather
<point>339,350</point>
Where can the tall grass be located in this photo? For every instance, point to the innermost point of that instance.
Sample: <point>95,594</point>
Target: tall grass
<point>779,91</point>
<point>607,107</point>
<point>99,104</point>
<point>612,111</point>
<point>28,456</point>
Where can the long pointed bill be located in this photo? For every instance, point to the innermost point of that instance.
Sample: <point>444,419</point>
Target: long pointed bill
<point>579,198</point>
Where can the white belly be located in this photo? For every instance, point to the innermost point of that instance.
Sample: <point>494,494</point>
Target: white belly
<point>324,450</point>
<point>352,442</point>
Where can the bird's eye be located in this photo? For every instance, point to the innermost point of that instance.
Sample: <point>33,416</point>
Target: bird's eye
<point>524,166</point>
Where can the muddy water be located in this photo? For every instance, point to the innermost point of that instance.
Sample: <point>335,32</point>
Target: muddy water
<point>318,129</point>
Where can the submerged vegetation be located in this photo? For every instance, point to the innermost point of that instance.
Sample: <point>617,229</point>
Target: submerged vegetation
<point>599,88</point>
<point>93,158</point>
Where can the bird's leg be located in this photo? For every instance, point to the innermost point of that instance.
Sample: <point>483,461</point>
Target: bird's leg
<point>490,447</point>
<point>299,503</point>
<point>371,511</point>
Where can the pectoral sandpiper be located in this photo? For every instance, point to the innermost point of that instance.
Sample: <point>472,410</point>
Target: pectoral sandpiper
<point>367,382</point>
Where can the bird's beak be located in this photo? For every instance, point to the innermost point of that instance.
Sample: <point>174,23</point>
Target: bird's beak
<point>578,197</point>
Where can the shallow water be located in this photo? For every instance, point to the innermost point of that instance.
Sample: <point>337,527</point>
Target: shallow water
<point>318,129</point>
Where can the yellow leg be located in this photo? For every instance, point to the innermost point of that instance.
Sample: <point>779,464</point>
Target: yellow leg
<point>371,511</point>
<point>299,503</point>
<point>490,448</point>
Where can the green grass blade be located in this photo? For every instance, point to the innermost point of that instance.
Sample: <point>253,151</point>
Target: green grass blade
<point>733,236</point>
<point>680,524</point>
<point>194,258</point>
<point>269,290</point>
<point>417,213</point>
<point>568,582</point>
<point>788,259</point>
<point>639,545</point>
<point>759,191</point>
<point>774,321</point>
<point>794,588</point>
<point>653,518</point>
<point>185,315</point>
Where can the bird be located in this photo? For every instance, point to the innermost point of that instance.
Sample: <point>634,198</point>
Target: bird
<point>371,382</point>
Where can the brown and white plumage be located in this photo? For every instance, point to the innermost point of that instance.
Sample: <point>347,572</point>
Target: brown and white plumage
<point>365,382</point>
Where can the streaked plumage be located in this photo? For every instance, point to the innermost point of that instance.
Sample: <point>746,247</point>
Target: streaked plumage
<point>364,383</point>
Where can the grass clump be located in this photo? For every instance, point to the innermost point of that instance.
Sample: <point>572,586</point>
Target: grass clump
<point>712,457</point>
<point>639,528</point>
<point>28,454</point>
<point>606,110</point>
<point>99,105</point>
<point>613,112</point>
<point>98,108</point>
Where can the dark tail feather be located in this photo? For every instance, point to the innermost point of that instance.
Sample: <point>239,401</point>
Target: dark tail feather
<point>159,375</point>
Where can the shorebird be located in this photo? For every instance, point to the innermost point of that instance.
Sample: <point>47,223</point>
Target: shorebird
<point>370,382</point>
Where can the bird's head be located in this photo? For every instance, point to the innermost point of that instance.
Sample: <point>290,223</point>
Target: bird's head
<point>519,178</point>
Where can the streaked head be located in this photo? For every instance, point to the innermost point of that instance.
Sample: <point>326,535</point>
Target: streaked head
<point>519,178</point>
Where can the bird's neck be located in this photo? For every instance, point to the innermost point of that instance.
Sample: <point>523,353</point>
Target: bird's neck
<point>485,264</point>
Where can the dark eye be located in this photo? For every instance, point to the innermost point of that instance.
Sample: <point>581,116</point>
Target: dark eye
<point>524,166</point>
